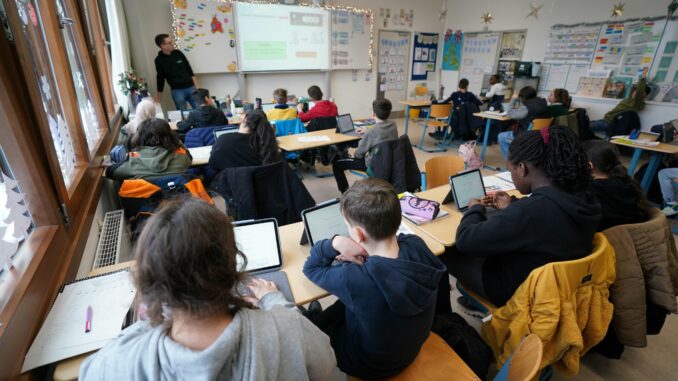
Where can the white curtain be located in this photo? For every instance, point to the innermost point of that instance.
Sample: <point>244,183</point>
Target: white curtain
<point>120,51</point>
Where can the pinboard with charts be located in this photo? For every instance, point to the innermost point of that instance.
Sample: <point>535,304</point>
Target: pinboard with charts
<point>622,47</point>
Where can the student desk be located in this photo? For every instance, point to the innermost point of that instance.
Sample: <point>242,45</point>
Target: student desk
<point>444,230</point>
<point>656,151</point>
<point>410,104</point>
<point>292,143</point>
<point>201,155</point>
<point>294,256</point>
<point>489,117</point>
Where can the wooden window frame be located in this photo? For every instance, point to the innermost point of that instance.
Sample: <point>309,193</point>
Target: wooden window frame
<point>52,252</point>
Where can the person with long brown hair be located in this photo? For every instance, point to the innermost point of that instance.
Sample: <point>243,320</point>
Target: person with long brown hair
<point>198,326</point>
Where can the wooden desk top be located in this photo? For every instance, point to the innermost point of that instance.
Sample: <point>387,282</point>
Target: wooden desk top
<point>291,143</point>
<point>486,115</point>
<point>201,155</point>
<point>415,103</point>
<point>444,230</point>
<point>661,148</point>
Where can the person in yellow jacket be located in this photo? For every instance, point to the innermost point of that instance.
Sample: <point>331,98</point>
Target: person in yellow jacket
<point>281,110</point>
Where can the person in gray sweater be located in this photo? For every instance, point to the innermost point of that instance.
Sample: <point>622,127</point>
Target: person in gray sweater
<point>198,327</point>
<point>382,131</point>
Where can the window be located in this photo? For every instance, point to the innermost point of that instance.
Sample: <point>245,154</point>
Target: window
<point>44,76</point>
<point>15,219</point>
<point>81,80</point>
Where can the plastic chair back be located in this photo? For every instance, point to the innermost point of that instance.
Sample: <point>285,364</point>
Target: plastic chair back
<point>421,91</point>
<point>524,362</point>
<point>439,169</point>
<point>440,111</point>
<point>541,123</point>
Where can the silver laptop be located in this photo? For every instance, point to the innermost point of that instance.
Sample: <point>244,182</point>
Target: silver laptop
<point>265,107</point>
<point>322,222</point>
<point>345,125</point>
<point>464,187</point>
<point>218,131</point>
<point>259,241</point>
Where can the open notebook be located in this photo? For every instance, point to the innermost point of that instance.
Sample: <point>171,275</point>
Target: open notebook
<point>63,335</point>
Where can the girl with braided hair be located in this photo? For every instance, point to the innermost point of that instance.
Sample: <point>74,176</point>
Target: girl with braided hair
<point>495,253</point>
<point>621,199</point>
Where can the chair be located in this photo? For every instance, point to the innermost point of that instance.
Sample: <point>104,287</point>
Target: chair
<point>540,124</point>
<point>436,361</point>
<point>289,127</point>
<point>394,161</point>
<point>569,121</point>
<point>322,123</point>
<point>438,116</point>
<point>565,341</point>
<point>524,362</point>
<point>439,169</point>
<point>421,92</point>
<point>623,124</point>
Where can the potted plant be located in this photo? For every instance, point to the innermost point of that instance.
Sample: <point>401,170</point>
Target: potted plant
<point>133,87</point>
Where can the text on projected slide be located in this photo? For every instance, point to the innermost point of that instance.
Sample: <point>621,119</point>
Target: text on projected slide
<point>282,37</point>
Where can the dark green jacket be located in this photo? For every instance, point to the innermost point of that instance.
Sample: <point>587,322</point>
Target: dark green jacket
<point>150,163</point>
<point>557,109</point>
<point>632,103</point>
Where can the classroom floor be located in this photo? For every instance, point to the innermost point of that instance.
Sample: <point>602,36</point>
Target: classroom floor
<point>656,362</point>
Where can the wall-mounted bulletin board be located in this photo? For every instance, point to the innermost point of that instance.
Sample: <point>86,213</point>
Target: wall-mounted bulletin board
<point>424,55</point>
<point>394,48</point>
<point>479,57</point>
<point>351,40</point>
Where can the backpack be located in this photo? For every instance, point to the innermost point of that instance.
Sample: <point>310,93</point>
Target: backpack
<point>465,341</point>
<point>471,158</point>
<point>140,197</point>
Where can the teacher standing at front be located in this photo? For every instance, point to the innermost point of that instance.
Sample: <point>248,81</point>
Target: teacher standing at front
<point>172,65</point>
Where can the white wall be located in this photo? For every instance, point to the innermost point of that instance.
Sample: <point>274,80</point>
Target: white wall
<point>510,14</point>
<point>150,17</point>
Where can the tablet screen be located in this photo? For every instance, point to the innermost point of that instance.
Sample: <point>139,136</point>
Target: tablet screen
<point>324,222</point>
<point>258,240</point>
<point>467,186</point>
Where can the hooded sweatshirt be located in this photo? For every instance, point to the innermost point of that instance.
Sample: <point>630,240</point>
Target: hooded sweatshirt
<point>277,344</point>
<point>380,132</point>
<point>531,108</point>
<point>205,116</point>
<point>389,305</point>
<point>619,202</point>
<point>549,226</point>
<point>150,163</point>
<point>321,109</point>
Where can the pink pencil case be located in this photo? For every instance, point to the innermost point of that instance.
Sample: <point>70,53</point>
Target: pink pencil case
<point>419,207</point>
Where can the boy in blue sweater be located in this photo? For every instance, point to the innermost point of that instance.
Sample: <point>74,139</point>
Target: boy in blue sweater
<point>386,285</point>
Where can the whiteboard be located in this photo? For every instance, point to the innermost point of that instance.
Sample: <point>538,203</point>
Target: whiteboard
<point>350,39</point>
<point>479,57</point>
<point>205,33</point>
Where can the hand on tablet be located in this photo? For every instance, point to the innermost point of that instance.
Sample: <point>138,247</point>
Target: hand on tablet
<point>261,287</point>
<point>501,200</point>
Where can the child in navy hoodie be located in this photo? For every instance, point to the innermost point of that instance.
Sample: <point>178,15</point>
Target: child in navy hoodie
<point>386,285</point>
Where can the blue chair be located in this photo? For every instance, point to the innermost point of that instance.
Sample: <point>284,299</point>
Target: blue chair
<point>524,363</point>
<point>289,127</point>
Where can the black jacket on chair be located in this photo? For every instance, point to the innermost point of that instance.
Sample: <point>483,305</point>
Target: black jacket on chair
<point>394,161</point>
<point>466,123</point>
<point>266,191</point>
<point>623,124</point>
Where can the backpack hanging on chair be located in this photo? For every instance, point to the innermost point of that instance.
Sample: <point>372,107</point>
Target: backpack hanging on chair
<point>471,158</point>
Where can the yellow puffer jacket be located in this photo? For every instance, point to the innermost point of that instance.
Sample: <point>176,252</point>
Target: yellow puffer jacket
<point>565,303</point>
<point>282,113</point>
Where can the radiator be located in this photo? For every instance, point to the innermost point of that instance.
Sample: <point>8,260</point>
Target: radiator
<point>114,242</point>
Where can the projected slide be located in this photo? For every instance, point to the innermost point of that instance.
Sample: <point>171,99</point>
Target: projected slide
<point>282,37</point>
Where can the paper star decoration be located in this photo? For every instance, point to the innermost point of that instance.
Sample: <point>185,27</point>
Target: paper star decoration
<point>618,9</point>
<point>534,11</point>
<point>487,18</point>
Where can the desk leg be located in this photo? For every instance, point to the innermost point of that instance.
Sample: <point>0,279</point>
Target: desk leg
<point>651,171</point>
<point>634,161</point>
<point>486,136</point>
<point>407,118</point>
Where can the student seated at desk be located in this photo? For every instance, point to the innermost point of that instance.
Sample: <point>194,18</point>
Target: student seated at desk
<point>281,110</point>
<point>145,110</point>
<point>198,327</point>
<point>531,107</point>
<point>158,153</point>
<point>495,253</point>
<point>383,130</point>
<point>321,109</point>
<point>495,97</point>
<point>635,102</point>
<point>386,285</point>
<point>254,144</point>
<point>458,98</point>
<point>621,199</point>
<point>559,103</point>
<point>205,116</point>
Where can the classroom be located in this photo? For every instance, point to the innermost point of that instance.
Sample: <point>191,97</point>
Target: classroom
<point>338,189</point>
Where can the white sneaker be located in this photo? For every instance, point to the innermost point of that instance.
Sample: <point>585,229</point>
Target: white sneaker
<point>670,209</point>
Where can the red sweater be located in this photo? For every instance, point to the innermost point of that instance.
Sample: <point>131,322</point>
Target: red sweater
<point>321,108</point>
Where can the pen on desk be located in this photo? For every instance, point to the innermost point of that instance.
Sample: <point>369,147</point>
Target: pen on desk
<point>88,321</point>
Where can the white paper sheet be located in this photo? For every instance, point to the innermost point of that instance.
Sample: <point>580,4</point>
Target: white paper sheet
<point>63,335</point>
<point>316,138</point>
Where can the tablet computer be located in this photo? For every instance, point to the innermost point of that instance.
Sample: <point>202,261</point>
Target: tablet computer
<point>323,221</point>
<point>464,187</point>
